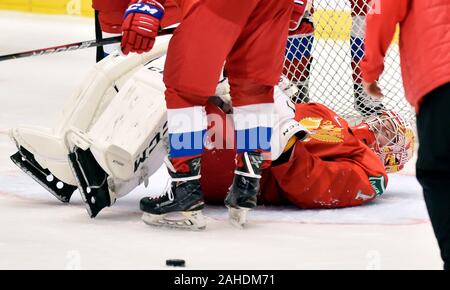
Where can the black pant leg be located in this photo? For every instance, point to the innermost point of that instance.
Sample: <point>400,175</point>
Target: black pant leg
<point>433,165</point>
<point>437,198</point>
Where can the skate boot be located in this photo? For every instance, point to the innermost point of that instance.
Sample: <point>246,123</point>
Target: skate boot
<point>242,195</point>
<point>366,105</point>
<point>181,204</point>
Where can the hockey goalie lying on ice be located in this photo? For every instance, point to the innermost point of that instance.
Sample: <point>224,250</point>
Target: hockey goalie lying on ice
<point>112,138</point>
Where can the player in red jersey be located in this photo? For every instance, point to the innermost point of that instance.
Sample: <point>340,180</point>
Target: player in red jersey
<point>337,166</point>
<point>125,146</point>
<point>248,38</point>
<point>110,15</point>
<point>284,193</point>
<point>299,60</point>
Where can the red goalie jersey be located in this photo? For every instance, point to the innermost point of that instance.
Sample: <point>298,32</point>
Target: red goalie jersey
<point>331,169</point>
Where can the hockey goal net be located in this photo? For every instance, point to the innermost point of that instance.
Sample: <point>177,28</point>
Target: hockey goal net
<point>332,76</point>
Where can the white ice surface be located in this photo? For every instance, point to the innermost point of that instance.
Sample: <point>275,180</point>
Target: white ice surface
<point>37,231</point>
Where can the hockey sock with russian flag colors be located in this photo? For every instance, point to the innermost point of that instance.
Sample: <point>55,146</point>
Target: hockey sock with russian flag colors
<point>187,128</point>
<point>253,125</point>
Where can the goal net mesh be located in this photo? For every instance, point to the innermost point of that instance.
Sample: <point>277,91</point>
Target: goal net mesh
<point>330,77</point>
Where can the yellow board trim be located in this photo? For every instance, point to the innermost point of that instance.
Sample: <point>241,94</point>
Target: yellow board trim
<point>68,7</point>
<point>340,28</point>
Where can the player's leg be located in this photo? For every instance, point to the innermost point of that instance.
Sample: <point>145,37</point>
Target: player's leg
<point>363,103</point>
<point>254,67</point>
<point>253,119</point>
<point>433,165</point>
<point>298,58</point>
<point>196,56</point>
<point>220,150</point>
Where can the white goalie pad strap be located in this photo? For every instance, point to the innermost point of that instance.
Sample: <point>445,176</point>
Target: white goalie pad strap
<point>285,126</point>
<point>250,175</point>
<point>223,90</point>
<point>288,87</point>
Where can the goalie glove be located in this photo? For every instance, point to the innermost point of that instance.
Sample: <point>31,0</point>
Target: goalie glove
<point>141,25</point>
<point>300,7</point>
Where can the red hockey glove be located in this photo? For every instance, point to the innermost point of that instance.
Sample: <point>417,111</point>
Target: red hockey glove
<point>300,7</point>
<point>141,26</point>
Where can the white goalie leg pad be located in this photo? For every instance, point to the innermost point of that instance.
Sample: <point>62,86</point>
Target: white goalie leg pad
<point>142,174</point>
<point>288,87</point>
<point>129,138</point>
<point>82,110</point>
<point>48,150</point>
<point>101,85</point>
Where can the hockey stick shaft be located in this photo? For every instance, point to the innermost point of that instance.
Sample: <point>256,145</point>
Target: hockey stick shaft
<point>73,46</point>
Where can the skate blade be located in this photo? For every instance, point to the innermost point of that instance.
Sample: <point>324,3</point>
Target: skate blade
<point>238,216</point>
<point>191,220</point>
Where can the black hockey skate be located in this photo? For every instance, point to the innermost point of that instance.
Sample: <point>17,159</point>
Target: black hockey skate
<point>25,160</point>
<point>180,206</point>
<point>365,104</point>
<point>242,195</point>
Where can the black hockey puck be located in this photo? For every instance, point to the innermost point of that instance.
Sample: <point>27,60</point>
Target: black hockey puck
<point>176,262</point>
